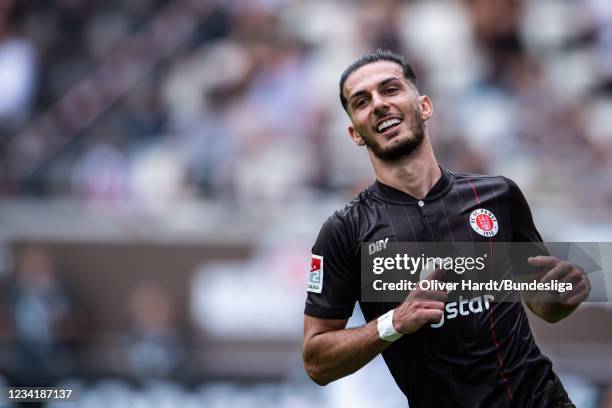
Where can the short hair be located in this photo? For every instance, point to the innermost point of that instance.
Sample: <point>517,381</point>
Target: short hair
<point>375,56</point>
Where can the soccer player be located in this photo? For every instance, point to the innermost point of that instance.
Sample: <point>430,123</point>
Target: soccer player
<point>485,359</point>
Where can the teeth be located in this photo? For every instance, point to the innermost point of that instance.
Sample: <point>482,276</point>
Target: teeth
<point>388,123</point>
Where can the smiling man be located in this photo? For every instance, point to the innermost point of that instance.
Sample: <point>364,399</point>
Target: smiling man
<point>483,358</point>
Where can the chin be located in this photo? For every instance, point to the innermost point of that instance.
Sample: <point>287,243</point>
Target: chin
<point>398,139</point>
<point>397,147</point>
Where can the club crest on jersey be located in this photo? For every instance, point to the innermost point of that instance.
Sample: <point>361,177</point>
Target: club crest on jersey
<point>315,278</point>
<point>484,222</point>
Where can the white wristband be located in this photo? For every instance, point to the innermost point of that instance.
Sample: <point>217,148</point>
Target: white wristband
<point>386,331</point>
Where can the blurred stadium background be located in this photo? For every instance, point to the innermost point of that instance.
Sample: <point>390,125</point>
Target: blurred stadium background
<point>165,167</point>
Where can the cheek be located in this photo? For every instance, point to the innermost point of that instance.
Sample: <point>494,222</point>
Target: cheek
<point>361,116</point>
<point>361,123</point>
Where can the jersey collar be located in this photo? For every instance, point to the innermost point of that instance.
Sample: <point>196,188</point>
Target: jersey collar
<point>438,190</point>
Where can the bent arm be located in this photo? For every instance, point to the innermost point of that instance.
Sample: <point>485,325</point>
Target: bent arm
<point>330,351</point>
<point>548,307</point>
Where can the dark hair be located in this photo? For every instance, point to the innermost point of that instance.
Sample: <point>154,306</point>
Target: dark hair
<point>375,56</point>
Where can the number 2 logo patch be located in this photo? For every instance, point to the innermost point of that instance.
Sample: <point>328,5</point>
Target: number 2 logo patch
<point>315,278</point>
<point>484,222</point>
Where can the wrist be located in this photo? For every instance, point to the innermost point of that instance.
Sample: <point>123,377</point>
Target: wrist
<point>386,327</point>
<point>395,322</point>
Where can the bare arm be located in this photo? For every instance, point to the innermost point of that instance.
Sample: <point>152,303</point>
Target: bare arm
<point>330,351</point>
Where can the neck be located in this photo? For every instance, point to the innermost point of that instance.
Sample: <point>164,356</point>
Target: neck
<point>414,174</point>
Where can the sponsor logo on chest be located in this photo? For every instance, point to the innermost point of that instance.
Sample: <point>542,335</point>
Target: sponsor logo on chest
<point>464,307</point>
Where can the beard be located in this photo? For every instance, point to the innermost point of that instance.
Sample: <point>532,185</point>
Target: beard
<point>403,147</point>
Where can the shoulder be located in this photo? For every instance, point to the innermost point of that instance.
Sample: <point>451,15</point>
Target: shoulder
<point>347,219</point>
<point>356,204</point>
<point>465,176</point>
<point>499,183</point>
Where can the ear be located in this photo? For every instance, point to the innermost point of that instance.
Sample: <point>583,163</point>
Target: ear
<point>426,107</point>
<point>354,134</point>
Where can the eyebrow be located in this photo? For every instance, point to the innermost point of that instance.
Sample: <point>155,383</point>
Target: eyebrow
<point>381,83</point>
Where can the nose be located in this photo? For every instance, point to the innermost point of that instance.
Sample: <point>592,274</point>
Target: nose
<point>379,105</point>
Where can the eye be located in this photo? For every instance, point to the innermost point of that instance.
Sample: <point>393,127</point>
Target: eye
<point>361,102</point>
<point>391,90</point>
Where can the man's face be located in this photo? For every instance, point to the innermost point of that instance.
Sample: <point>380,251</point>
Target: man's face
<point>385,111</point>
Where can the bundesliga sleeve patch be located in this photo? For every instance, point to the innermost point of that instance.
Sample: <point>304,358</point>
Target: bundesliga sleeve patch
<point>315,278</point>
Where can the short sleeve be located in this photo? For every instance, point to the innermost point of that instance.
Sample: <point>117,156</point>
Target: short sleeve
<point>523,227</point>
<point>333,283</point>
<point>524,231</point>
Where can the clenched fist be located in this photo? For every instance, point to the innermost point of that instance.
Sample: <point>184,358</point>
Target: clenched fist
<point>563,271</point>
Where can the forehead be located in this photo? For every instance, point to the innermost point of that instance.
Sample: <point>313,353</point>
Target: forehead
<point>370,75</point>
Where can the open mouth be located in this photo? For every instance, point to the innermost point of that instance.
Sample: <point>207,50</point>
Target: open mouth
<point>388,124</point>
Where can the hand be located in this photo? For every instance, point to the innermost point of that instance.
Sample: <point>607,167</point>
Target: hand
<point>420,307</point>
<point>565,272</point>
